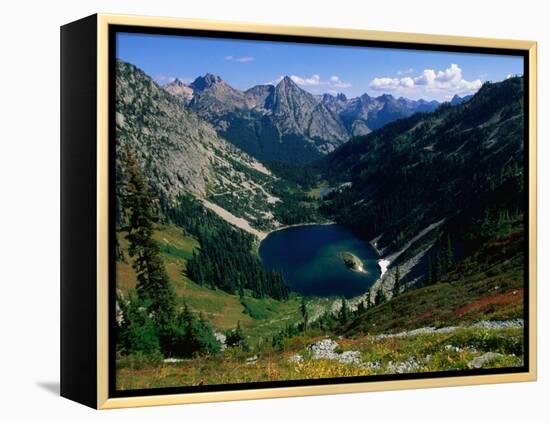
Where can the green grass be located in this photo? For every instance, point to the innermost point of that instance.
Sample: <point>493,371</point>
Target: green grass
<point>258,309</point>
<point>316,191</point>
<point>259,318</point>
<point>421,353</point>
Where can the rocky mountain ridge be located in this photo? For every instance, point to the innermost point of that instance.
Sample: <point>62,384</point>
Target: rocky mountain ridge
<point>286,123</point>
<point>180,152</point>
<point>364,114</point>
<point>282,122</point>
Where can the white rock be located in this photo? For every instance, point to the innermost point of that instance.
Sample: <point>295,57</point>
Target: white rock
<point>479,362</point>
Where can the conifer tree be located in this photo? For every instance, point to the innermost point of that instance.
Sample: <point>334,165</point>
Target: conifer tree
<point>192,335</point>
<point>438,272</point>
<point>236,338</point>
<point>304,312</point>
<point>344,312</point>
<point>396,281</point>
<point>241,291</point>
<point>380,297</point>
<point>368,301</point>
<point>430,271</point>
<point>448,252</point>
<point>360,308</point>
<point>153,286</point>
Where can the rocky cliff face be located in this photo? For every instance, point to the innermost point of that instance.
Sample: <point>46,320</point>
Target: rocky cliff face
<point>180,152</point>
<point>256,97</point>
<point>180,90</point>
<point>280,122</point>
<point>297,112</point>
<point>213,96</point>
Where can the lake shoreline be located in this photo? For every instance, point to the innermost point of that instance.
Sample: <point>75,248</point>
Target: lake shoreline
<point>294,225</point>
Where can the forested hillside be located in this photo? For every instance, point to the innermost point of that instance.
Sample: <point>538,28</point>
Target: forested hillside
<point>458,170</point>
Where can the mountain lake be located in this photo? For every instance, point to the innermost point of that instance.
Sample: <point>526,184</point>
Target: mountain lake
<point>311,259</point>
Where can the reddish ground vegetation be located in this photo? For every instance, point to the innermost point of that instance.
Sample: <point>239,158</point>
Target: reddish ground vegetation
<point>486,304</point>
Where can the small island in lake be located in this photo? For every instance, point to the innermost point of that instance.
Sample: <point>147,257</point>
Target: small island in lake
<point>352,262</point>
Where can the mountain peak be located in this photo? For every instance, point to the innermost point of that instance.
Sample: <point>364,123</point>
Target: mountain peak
<point>206,81</point>
<point>286,82</point>
<point>459,100</point>
<point>365,97</point>
<point>177,82</point>
<point>341,97</point>
<point>179,89</point>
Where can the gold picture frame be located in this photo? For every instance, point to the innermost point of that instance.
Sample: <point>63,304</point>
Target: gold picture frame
<point>97,33</point>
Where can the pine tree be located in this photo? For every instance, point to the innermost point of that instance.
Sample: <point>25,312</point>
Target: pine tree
<point>380,297</point>
<point>241,290</point>
<point>369,299</point>
<point>153,286</point>
<point>344,312</point>
<point>360,308</point>
<point>137,332</point>
<point>236,338</point>
<point>396,281</point>
<point>448,253</point>
<point>191,335</point>
<point>438,272</point>
<point>119,254</point>
<point>430,271</point>
<point>304,312</point>
<point>186,317</point>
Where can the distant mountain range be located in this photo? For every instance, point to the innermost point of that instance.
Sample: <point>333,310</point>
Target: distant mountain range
<point>286,123</point>
<point>361,115</point>
<point>282,123</point>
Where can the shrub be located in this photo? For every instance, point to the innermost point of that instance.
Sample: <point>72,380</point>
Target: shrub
<point>236,338</point>
<point>189,336</point>
<point>137,332</point>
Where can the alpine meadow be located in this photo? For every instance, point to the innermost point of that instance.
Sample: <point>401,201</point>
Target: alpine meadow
<point>290,212</point>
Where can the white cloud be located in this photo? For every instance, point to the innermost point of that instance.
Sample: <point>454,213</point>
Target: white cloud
<point>338,83</point>
<point>313,80</point>
<point>405,71</point>
<point>429,83</point>
<point>240,59</point>
<point>316,82</point>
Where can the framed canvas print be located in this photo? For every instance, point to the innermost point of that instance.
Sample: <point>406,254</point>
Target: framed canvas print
<point>254,211</point>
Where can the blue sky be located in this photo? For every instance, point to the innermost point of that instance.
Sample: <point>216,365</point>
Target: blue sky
<point>316,68</point>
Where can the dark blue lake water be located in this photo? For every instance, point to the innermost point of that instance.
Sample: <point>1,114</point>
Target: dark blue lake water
<point>308,257</point>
